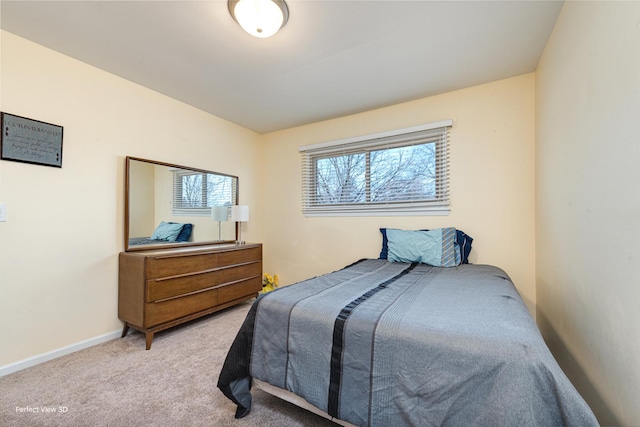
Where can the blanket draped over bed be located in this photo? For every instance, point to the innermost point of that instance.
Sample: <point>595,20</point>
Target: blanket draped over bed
<point>391,344</point>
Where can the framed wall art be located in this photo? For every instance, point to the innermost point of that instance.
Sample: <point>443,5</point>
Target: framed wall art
<point>30,141</point>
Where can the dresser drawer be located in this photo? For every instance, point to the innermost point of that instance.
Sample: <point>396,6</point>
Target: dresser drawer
<point>158,289</point>
<point>176,264</point>
<point>239,256</point>
<point>238,290</point>
<point>173,265</point>
<point>240,272</point>
<point>171,309</point>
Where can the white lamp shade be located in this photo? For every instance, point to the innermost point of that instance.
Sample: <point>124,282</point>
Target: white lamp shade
<point>240,213</point>
<point>260,18</point>
<point>219,213</point>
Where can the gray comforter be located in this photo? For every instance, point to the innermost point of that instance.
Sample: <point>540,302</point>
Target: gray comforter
<point>392,344</point>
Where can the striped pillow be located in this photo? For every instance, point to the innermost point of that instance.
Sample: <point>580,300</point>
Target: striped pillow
<point>435,247</point>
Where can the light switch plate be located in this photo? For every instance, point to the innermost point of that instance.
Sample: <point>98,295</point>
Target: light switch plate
<point>3,212</point>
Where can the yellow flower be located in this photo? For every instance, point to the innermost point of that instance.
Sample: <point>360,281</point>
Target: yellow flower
<point>270,282</point>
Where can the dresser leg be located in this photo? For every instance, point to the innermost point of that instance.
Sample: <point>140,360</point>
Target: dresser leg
<point>125,330</point>
<point>149,339</point>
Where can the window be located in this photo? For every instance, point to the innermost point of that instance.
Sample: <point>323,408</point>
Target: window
<point>400,172</point>
<point>194,193</point>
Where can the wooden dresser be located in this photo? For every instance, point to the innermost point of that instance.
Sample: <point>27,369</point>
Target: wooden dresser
<point>161,288</point>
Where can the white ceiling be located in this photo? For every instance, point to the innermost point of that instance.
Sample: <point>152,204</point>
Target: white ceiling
<point>333,58</point>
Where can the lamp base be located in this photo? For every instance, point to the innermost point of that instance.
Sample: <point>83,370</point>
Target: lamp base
<point>240,241</point>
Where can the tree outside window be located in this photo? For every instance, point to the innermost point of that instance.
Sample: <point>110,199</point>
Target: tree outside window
<point>196,193</point>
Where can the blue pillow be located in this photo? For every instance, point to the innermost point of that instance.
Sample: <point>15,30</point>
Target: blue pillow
<point>167,231</point>
<point>463,241</point>
<point>434,247</point>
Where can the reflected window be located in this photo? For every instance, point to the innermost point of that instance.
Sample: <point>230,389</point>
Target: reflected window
<point>195,193</point>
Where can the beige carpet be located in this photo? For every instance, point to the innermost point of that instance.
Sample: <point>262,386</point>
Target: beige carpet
<point>119,383</point>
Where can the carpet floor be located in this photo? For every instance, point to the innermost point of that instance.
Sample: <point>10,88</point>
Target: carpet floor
<point>119,383</point>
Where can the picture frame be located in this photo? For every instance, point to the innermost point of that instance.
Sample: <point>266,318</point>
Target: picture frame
<point>30,141</point>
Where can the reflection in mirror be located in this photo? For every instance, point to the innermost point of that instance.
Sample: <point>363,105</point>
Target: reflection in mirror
<point>170,205</point>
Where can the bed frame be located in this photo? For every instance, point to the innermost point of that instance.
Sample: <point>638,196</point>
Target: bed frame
<point>296,400</point>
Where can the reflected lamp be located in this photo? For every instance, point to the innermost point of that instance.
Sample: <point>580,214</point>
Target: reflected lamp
<point>219,214</point>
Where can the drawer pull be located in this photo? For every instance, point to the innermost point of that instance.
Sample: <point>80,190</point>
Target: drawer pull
<point>210,270</point>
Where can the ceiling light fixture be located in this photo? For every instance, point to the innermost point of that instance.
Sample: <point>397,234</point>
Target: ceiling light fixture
<point>260,18</point>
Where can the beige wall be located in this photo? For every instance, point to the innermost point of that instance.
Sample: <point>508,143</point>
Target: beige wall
<point>492,184</point>
<point>588,203</point>
<point>59,247</point>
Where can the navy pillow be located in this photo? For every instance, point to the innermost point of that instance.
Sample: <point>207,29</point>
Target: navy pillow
<point>185,233</point>
<point>463,240</point>
<point>384,253</point>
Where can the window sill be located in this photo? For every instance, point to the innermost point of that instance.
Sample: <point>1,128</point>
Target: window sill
<point>383,210</point>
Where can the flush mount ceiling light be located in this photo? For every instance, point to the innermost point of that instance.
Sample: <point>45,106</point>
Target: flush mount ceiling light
<point>260,18</point>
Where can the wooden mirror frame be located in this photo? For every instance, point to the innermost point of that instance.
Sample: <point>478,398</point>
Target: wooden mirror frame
<point>127,207</point>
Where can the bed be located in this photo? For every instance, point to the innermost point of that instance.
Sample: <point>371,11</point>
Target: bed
<point>391,343</point>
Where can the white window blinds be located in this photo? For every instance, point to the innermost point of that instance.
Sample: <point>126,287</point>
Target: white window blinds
<point>194,193</point>
<point>402,172</point>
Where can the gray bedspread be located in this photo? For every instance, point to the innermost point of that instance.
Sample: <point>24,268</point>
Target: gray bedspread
<point>138,241</point>
<point>393,344</point>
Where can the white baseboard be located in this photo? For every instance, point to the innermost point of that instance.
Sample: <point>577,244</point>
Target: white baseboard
<point>50,355</point>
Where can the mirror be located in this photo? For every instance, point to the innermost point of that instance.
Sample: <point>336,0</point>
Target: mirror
<point>173,206</point>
